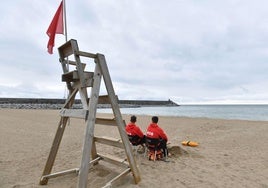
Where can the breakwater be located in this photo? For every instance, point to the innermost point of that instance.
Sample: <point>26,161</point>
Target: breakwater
<point>42,103</point>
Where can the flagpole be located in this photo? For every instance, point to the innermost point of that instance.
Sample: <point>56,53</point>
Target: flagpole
<point>66,39</point>
<point>65,20</point>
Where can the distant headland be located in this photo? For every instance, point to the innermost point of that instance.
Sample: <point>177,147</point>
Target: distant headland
<point>44,103</point>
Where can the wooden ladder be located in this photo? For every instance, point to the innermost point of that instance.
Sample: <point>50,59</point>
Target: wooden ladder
<point>77,81</point>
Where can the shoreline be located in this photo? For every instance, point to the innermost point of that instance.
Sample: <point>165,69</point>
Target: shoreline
<point>57,108</point>
<point>232,153</point>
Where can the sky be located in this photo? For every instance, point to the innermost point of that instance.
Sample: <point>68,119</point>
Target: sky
<point>189,51</point>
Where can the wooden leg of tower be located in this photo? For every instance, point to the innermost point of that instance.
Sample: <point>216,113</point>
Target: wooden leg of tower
<point>54,150</point>
<point>94,151</point>
<point>118,117</point>
<point>89,133</point>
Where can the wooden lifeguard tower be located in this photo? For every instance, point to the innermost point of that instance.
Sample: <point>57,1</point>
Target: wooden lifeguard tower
<point>78,81</point>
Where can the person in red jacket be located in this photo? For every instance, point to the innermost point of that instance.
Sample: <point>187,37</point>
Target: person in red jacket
<point>135,135</point>
<point>156,132</point>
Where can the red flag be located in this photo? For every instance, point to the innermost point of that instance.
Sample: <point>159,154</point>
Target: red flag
<point>55,27</point>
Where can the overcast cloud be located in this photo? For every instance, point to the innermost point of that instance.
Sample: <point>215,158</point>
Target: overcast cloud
<point>189,51</point>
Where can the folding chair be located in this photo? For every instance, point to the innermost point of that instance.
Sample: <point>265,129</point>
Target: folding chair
<point>135,142</point>
<point>155,148</point>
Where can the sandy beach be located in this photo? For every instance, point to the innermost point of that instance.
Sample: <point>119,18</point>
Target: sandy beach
<point>232,153</point>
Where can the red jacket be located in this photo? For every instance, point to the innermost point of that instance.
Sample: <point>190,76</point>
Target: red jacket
<point>154,131</point>
<point>133,129</point>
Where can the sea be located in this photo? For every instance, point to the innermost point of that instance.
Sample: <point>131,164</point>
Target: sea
<point>238,112</point>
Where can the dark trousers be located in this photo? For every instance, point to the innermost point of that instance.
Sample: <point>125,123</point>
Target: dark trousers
<point>135,140</point>
<point>163,146</point>
<point>143,140</point>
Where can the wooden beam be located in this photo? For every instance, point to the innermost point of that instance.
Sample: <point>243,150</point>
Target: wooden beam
<point>65,172</point>
<point>104,99</point>
<point>70,62</point>
<point>109,141</point>
<point>71,98</point>
<point>74,113</point>
<point>86,54</point>
<point>89,133</point>
<point>66,49</point>
<point>118,117</point>
<point>114,160</point>
<point>73,76</point>
<point>109,184</point>
<point>54,150</point>
<point>56,174</point>
<point>105,121</point>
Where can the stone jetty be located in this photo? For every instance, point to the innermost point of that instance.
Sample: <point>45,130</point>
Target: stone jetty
<point>42,103</point>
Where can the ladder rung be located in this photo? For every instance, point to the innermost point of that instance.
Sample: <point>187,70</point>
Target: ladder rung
<point>74,63</point>
<point>65,172</point>
<point>104,99</point>
<point>74,113</point>
<point>105,121</point>
<point>109,141</point>
<point>86,54</point>
<point>114,160</point>
<point>56,174</point>
<point>73,76</point>
<point>81,113</point>
<point>125,172</point>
